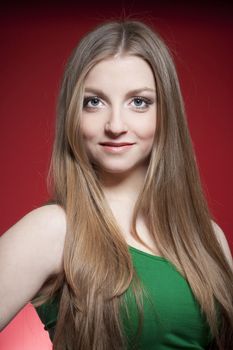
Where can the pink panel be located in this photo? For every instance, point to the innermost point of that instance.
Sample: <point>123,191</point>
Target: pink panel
<point>25,332</point>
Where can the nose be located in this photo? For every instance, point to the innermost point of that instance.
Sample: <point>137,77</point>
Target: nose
<point>115,123</point>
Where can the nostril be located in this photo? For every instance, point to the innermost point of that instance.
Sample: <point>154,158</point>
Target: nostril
<point>116,128</point>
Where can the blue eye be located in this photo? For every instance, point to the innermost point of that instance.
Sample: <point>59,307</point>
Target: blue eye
<point>138,102</point>
<point>91,102</point>
<point>141,102</point>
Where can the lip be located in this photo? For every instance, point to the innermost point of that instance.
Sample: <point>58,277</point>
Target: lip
<point>116,147</point>
<point>116,144</point>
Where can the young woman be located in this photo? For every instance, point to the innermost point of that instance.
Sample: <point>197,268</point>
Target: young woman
<point>126,254</point>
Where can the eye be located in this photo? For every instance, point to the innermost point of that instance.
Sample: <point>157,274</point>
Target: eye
<point>141,102</point>
<point>91,102</point>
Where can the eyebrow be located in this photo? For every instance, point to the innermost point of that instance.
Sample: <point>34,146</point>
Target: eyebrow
<point>100,93</point>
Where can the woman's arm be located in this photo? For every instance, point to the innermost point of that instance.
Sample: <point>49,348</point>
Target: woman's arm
<point>30,252</point>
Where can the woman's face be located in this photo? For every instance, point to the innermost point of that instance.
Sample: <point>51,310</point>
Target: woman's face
<point>119,108</point>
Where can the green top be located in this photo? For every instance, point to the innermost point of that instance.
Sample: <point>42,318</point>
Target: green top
<point>175,321</point>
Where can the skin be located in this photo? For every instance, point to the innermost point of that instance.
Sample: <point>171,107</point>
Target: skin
<point>32,249</point>
<point>114,112</point>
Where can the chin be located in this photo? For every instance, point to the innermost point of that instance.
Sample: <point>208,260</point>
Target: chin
<point>115,170</point>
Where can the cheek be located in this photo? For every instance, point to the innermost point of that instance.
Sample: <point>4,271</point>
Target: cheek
<point>146,131</point>
<point>89,129</point>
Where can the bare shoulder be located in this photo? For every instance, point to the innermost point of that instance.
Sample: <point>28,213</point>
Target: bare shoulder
<point>51,223</point>
<point>30,252</point>
<point>51,215</point>
<point>50,220</point>
<point>223,242</point>
<point>46,227</point>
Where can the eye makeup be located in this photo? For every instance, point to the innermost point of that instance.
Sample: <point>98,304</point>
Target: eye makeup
<point>140,102</point>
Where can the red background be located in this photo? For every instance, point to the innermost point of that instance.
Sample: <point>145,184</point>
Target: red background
<point>35,43</point>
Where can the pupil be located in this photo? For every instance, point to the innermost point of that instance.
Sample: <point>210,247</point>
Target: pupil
<point>94,101</point>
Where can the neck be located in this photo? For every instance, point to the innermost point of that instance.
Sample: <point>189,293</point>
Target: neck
<point>123,187</point>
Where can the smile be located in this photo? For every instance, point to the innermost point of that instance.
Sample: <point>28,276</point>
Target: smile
<point>117,148</point>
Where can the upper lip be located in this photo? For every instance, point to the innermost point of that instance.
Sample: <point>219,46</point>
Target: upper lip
<point>117,144</point>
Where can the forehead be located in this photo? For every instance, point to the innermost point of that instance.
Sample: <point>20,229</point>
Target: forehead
<point>121,72</point>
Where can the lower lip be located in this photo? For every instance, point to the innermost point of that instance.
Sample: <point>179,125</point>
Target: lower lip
<point>116,149</point>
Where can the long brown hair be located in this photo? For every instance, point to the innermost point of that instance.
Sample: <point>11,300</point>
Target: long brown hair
<point>97,264</point>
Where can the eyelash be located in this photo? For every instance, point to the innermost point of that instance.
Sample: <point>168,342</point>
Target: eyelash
<point>146,101</point>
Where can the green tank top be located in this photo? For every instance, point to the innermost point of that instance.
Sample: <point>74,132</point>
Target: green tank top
<point>174,321</point>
